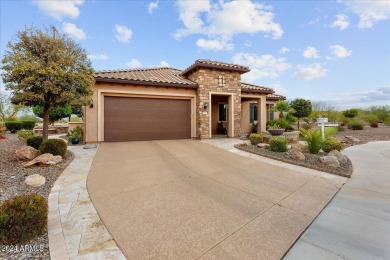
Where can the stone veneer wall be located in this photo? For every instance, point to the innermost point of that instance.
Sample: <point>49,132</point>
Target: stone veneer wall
<point>207,80</point>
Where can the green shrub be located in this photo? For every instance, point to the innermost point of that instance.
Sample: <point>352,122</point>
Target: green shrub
<point>28,124</point>
<point>355,125</point>
<point>350,113</point>
<point>77,132</point>
<point>387,121</point>
<point>25,134</point>
<point>13,126</point>
<point>371,118</point>
<point>53,146</point>
<point>280,123</point>
<point>278,144</point>
<point>331,130</point>
<point>331,144</point>
<point>35,141</point>
<point>256,138</point>
<point>313,139</point>
<point>306,126</point>
<point>22,219</point>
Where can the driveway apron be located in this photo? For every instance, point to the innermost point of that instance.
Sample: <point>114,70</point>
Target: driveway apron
<point>184,199</point>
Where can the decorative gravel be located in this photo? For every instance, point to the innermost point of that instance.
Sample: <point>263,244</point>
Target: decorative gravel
<point>311,161</point>
<point>12,176</point>
<point>368,134</point>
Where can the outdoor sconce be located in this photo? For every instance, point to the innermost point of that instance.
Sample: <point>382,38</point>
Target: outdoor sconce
<point>205,106</point>
<point>91,105</point>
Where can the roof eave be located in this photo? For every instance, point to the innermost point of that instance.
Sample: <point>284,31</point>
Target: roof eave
<point>213,66</point>
<point>258,91</point>
<point>147,83</point>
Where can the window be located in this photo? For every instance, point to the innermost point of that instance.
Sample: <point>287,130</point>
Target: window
<point>271,113</point>
<point>253,112</point>
<point>222,112</point>
<point>221,81</point>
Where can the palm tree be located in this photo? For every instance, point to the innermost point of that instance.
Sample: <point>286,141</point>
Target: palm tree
<point>283,107</point>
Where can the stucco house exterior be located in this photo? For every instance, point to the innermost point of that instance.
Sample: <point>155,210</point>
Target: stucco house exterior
<point>202,101</point>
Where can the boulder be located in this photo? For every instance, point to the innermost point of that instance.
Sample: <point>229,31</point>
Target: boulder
<point>245,143</point>
<point>35,180</point>
<point>295,155</point>
<point>263,145</point>
<point>330,161</point>
<point>45,159</point>
<point>243,137</point>
<point>27,153</point>
<point>340,157</point>
<point>352,139</point>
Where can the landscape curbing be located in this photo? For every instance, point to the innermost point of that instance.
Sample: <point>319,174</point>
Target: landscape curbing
<point>75,230</point>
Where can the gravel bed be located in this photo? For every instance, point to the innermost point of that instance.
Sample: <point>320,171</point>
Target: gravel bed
<point>368,134</point>
<point>311,161</point>
<point>12,176</point>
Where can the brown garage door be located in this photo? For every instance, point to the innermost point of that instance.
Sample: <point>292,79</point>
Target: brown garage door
<point>138,119</point>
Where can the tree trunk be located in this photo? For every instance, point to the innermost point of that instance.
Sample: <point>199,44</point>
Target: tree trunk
<point>298,123</point>
<point>45,132</point>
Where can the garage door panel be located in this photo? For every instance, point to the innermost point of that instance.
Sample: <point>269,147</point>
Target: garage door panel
<point>130,119</point>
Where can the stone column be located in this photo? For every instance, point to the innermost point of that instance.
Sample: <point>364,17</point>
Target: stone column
<point>261,114</point>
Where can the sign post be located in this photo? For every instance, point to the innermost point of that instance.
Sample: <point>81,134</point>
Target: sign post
<point>322,121</point>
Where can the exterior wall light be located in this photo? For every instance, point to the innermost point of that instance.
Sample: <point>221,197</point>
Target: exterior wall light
<point>205,106</point>
<point>91,105</point>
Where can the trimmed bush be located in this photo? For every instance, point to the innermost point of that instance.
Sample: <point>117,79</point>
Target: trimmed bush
<point>350,113</point>
<point>25,134</point>
<point>35,141</point>
<point>54,146</point>
<point>28,124</point>
<point>22,219</point>
<point>374,124</point>
<point>278,144</point>
<point>13,126</point>
<point>355,125</point>
<point>331,144</point>
<point>256,138</point>
<point>313,139</point>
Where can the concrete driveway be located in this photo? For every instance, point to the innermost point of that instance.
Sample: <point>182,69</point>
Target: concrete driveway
<point>184,199</point>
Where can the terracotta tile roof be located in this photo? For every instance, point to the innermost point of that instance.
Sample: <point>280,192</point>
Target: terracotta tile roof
<point>245,87</point>
<point>275,97</point>
<point>215,64</point>
<point>149,76</point>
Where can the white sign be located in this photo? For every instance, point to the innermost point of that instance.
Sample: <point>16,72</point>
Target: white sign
<point>322,120</point>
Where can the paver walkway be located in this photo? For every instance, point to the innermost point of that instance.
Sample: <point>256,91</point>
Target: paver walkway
<point>184,199</point>
<point>356,223</point>
<point>74,228</point>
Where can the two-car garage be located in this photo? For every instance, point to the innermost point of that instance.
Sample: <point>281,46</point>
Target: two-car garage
<point>141,118</point>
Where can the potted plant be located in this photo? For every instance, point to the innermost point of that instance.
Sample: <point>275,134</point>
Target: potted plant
<point>76,135</point>
<point>276,130</point>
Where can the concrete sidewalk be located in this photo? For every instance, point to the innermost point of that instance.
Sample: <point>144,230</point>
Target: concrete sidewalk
<point>184,199</point>
<point>356,223</point>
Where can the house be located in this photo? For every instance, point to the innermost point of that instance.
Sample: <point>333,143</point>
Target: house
<point>206,99</point>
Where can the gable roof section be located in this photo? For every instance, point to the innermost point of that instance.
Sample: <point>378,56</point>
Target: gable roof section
<point>275,97</point>
<point>210,64</point>
<point>249,88</point>
<point>168,77</point>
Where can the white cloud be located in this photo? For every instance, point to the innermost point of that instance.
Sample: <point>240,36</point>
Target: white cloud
<point>214,45</point>
<point>311,53</point>
<point>59,9</point>
<point>97,57</point>
<point>284,50</point>
<point>309,72</point>
<point>152,6</point>
<point>264,66</point>
<point>123,34</point>
<point>339,51</point>
<point>370,12</point>
<point>134,63</point>
<point>164,64</point>
<point>278,88</point>
<point>73,31</point>
<point>341,22</point>
<point>223,20</point>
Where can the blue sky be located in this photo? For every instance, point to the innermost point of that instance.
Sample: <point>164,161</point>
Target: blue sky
<point>332,51</point>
